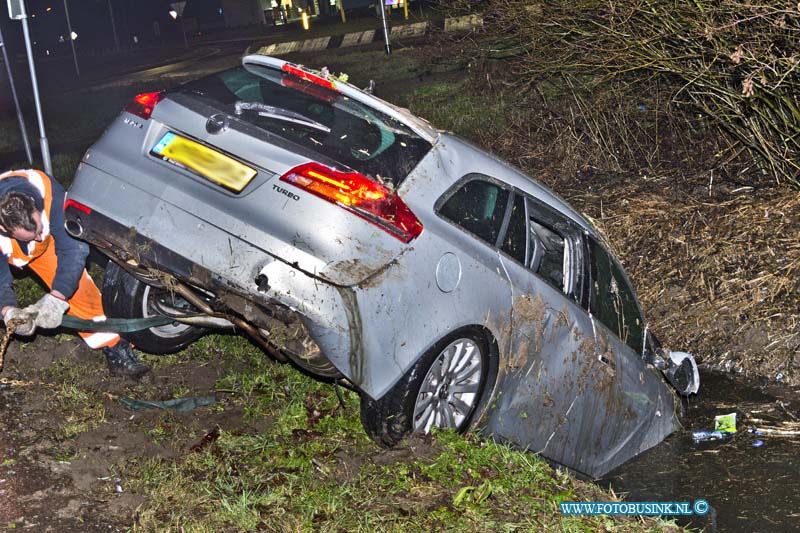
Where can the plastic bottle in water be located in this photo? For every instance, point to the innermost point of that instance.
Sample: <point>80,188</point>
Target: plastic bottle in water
<point>698,436</point>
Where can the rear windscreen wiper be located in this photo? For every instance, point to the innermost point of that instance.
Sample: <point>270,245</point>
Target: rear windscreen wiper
<point>278,113</point>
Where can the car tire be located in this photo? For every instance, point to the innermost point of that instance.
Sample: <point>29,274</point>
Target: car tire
<point>432,393</point>
<point>125,296</point>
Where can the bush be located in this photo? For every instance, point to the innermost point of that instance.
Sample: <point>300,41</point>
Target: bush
<point>733,61</point>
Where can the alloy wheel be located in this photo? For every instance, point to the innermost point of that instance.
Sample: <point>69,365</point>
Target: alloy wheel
<point>451,387</point>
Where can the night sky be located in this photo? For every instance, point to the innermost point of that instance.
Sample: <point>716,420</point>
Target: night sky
<point>91,21</point>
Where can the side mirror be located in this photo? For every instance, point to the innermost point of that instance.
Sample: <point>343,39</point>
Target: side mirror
<point>681,371</point>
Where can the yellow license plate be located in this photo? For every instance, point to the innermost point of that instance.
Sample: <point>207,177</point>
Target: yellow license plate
<point>215,166</point>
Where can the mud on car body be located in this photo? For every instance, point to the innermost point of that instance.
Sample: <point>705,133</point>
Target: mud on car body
<point>353,239</point>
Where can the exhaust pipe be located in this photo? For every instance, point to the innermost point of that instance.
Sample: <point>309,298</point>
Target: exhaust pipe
<point>74,228</point>
<point>212,318</point>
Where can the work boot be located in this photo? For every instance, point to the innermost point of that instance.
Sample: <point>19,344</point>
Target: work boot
<point>122,360</point>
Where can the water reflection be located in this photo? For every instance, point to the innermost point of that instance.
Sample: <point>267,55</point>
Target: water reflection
<point>750,488</point>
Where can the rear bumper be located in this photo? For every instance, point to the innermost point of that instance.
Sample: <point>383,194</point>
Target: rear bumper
<point>147,258</point>
<point>137,223</point>
<point>140,254</point>
<point>144,232</point>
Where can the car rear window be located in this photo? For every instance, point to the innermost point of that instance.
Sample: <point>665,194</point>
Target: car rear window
<point>320,119</point>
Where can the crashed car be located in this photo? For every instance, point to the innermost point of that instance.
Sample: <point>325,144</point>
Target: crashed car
<point>354,240</point>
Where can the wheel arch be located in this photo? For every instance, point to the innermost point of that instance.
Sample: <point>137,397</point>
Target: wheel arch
<point>492,372</point>
<point>388,419</point>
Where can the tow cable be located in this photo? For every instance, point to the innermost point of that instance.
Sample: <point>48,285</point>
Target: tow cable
<point>116,325</point>
<point>126,325</point>
<point>111,325</point>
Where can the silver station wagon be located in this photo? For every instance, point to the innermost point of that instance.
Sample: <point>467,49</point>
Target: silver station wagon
<point>352,239</point>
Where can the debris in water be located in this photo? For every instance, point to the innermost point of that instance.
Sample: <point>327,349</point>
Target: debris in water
<point>725,423</point>
<point>698,436</point>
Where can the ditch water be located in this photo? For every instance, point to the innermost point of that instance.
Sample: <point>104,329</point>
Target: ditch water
<point>750,486</point>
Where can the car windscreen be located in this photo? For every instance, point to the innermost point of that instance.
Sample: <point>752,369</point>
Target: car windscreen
<point>315,117</point>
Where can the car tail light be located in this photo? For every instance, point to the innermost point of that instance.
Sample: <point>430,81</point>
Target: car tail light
<point>79,206</point>
<point>308,76</point>
<point>360,195</point>
<point>143,104</point>
<point>309,89</point>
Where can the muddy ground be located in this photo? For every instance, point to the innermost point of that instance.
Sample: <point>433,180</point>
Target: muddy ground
<point>72,455</point>
<point>53,480</point>
<point>73,458</point>
<point>67,439</point>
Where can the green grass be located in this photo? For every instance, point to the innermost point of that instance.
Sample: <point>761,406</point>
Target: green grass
<point>460,108</point>
<point>84,411</point>
<point>314,469</point>
<point>68,123</point>
<point>77,408</point>
<point>27,288</point>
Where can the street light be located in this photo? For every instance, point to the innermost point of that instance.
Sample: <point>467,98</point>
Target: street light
<point>72,36</point>
<point>386,44</point>
<point>176,11</point>
<point>17,11</point>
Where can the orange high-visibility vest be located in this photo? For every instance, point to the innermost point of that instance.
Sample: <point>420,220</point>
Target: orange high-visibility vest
<point>9,246</point>
<point>86,302</point>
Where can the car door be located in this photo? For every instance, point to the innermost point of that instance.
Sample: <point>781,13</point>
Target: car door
<point>577,396</point>
<point>451,279</point>
<point>546,387</point>
<point>632,392</point>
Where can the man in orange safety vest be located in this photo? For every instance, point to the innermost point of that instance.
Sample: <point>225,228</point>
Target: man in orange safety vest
<point>32,234</point>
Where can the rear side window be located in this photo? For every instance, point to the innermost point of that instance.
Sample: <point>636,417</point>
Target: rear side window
<point>478,207</point>
<point>316,118</point>
<point>525,229</point>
